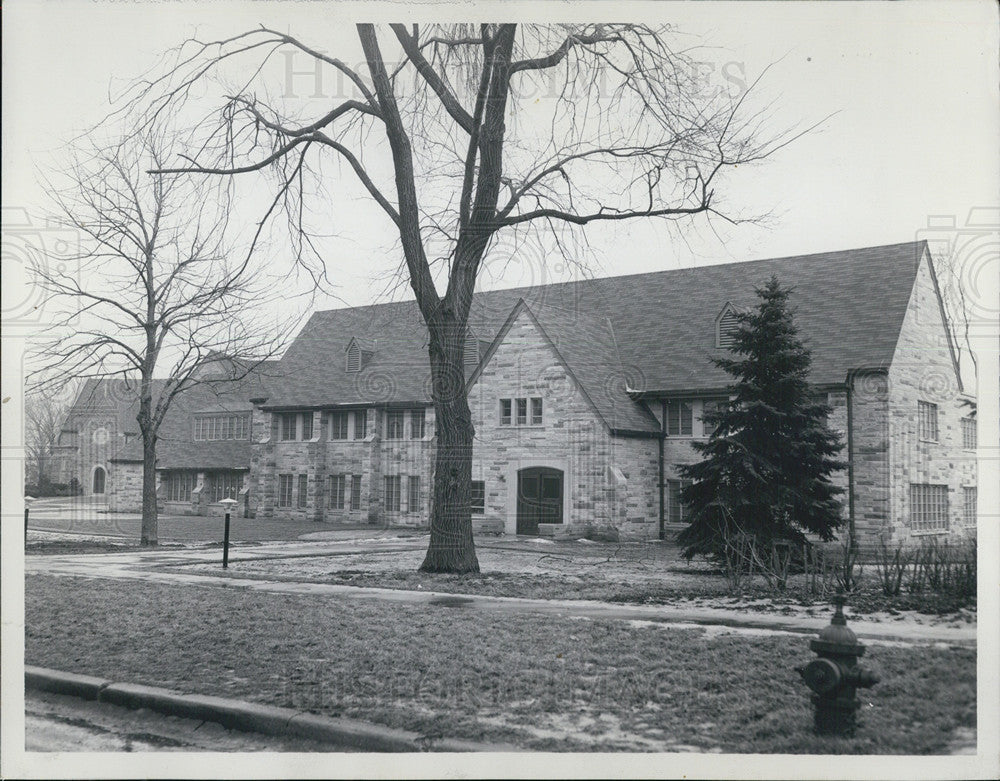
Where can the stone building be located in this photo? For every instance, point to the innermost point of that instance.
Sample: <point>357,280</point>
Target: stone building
<point>586,397</point>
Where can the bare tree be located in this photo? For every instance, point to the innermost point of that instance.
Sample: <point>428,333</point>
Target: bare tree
<point>44,415</point>
<point>154,291</point>
<point>447,134</point>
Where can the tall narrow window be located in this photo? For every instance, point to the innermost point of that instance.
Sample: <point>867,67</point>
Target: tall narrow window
<point>288,426</point>
<point>413,494</point>
<point>971,504</point>
<point>505,412</point>
<point>284,490</point>
<point>522,412</point>
<point>307,426</point>
<point>338,425</point>
<point>676,509</point>
<point>361,424</point>
<point>927,420</point>
<point>303,490</point>
<point>416,424</point>
<point>394,424</point>
<point>355,492</point>
<point>536,412</point>
<point>970,439</point>
<point>478,501</point>
<point>680,415</point>
<point>337,485</point>
<point>392,493</point>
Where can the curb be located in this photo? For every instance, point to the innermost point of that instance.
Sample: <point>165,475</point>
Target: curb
<point>248,716</point>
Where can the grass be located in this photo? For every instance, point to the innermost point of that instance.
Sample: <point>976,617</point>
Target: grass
<point>676,584</point>
<point>63,547</point>
<point>540,682</point>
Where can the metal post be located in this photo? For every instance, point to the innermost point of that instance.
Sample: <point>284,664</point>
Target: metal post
<point>225,543</point>
<point>25,522</point>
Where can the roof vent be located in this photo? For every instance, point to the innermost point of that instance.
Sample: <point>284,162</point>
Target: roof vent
<point>726,326</point>
<point>359,354</point>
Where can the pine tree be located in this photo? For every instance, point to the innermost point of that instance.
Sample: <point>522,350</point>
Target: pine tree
<point>766,468</point>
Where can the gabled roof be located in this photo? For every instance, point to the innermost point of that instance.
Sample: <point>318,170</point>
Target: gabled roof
<point>585,345</point>
<point>850,306</point>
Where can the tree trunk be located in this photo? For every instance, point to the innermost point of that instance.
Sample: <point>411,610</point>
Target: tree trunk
<point>149,518</point>
<point>451,547</point>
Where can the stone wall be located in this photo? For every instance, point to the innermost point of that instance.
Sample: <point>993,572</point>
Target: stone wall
<point>372,458</point>
<point>607,481</point>
<point>125,488</point>
<point>922,370</point>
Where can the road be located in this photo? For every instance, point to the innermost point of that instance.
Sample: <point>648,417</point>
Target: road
<point>55,722</point>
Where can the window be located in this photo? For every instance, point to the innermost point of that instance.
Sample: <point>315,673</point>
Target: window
<point>709,407</point>
<point>413,494</point>
<point>215,427</point>
<point>307,425</point>
<point>478,502</point>
<point>392,493</point>
<point>360,424</point>
<point>354,357</point>
<point>288,420</point>
<point>338,425</point>
<point>516,411</point>
<point>394,424</point>
<point>416,424</point>
<point>337,486</point>
<point>971,501</point>
<point>970,439</point>
<point>727,327</point>
<point>225,485</point>
<point>303,490</point>
<point>676,510</point>
<point>505,412</point>
<point>927,420</point>
<point>355,492</point>
<point>680,415</point>
<point>284,490</point>
<point>928,507</point>
<point>179,486</point>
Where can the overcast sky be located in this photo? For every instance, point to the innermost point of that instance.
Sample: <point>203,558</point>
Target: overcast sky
<point>912,88</point>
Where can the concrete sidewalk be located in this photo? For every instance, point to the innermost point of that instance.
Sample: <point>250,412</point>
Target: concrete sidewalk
<point>148,566</point>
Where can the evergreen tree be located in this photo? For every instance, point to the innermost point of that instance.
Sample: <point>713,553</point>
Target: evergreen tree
<point>766,468</point>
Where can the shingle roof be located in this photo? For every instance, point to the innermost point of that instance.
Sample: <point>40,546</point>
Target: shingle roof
<point>176,447</point>
<point>850,307</point>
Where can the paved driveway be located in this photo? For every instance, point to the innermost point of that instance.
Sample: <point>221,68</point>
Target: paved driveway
<point>83,515</point>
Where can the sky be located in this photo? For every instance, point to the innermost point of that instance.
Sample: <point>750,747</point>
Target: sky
<point>908,92</point>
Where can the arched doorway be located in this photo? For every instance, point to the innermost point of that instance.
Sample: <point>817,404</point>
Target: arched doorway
<point>539,498</point>
<point>99,479</point>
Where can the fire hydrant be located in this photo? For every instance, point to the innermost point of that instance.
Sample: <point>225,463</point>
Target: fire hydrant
<point>836,676</point>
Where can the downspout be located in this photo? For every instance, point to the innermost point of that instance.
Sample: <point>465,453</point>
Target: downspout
<point>663,433</point>
<point>851,530</point>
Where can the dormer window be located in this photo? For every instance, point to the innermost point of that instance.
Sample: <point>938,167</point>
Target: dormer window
<point>726,326</point>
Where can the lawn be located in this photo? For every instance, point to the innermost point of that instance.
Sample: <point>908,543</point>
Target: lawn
<point>623,573</point>
<point>540,682</point>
